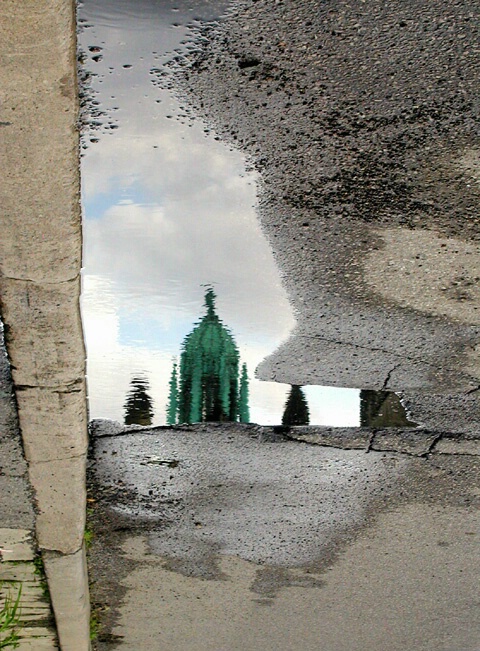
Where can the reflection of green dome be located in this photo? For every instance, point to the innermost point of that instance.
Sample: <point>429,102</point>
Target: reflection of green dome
<point>209,370</point>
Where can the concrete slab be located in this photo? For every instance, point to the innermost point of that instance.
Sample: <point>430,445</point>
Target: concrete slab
<point>407,441</point>
<point>20,575</point>
<point>457,446</point>
<point>40,261</point>
<point>54,422</point>
<point>39,114</point>
<point>44,332</point>
<point>68,583</point>
<point>37,644</point>
<point>18,543</point>
<point>353,438</point>
<point>61,494</point>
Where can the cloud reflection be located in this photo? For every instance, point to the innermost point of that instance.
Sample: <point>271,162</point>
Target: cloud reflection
<point>168,208</point>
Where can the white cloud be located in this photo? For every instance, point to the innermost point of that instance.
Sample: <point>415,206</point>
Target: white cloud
<point>167,210</point>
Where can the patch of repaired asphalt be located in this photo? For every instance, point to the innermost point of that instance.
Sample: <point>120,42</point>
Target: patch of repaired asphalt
<point>393,588</point>
<point>428,273</point>
<point>278,503</point>
<point>239,520</point>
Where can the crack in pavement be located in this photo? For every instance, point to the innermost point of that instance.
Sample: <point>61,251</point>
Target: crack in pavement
<point>50,459</point>
<point>370,446</point>
<point>474,390</point>
<point>370,442</point>
<point>404,358</point>
<point>42,282</point>
<point>389,375</point>
<point>64,388</point>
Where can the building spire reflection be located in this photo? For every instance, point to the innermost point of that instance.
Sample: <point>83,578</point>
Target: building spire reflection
<point>208,385</point>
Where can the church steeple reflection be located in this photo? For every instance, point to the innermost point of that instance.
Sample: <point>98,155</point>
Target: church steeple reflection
<point>208,385</point>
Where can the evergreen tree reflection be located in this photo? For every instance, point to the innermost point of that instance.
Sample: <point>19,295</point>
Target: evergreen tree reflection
<point>207,387</point>
<point>138,404</point>
<point>296,408</point>
<point>172,406</point>
<point>243,408</point>
<point>382,409</point>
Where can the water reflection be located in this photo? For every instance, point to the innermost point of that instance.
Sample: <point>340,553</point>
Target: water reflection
<point>210,387</point>
<point>211,384</point>
<point>167,208</point>
<point>382,409</point>
<point>296,408</point>
<point>138,404</point>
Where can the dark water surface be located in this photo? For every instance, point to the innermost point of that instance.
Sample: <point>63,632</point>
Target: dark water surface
<point>168,211</point>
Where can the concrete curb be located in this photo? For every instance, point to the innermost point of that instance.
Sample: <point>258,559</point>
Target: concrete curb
<point>40,262</point>
<point>68,584</point>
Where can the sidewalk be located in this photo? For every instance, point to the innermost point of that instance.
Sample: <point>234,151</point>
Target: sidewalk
<point>19,569</point>
<point>40,261</point>
<point>36,628</point>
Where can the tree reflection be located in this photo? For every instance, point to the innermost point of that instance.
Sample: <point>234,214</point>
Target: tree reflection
<point>207,386</point>
<point>296,408</point>
<point>382,409</point>
<point>138,404</point>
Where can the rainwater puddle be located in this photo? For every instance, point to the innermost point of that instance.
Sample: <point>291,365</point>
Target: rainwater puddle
<point>169,215</point>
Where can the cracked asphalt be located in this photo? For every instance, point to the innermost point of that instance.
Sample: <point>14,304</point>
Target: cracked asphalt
<point>238,537</point>
<point>362,120</point>
<point>366,139</point>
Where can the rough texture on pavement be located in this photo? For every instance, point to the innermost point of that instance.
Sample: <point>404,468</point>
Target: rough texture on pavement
<point>16,504</point>
<point>363,120</point>
<point>243,539</point>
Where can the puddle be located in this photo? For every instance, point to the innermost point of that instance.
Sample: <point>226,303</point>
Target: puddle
<point>167,208</point>
<point>232,518</point>
<point>168,211</point>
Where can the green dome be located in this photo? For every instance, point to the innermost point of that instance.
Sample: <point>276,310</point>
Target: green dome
<point>209,370</point>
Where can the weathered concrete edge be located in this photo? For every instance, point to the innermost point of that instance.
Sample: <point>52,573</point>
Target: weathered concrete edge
<point>413,442</point>
<point>431,443</point>
<point>418,442</point>
<point>40,260</point>
<point>69,592</point>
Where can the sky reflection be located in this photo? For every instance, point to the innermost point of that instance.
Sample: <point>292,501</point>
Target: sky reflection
<point>169,209</point>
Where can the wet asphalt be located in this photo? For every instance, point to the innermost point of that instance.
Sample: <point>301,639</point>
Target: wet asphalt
<point>363,122</point>
<point>275,502</point>
<point>189,521</point>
